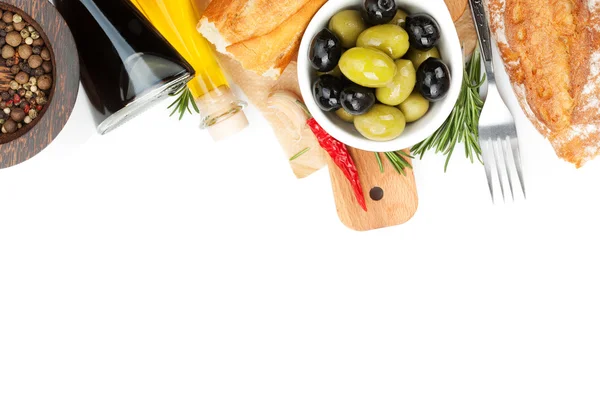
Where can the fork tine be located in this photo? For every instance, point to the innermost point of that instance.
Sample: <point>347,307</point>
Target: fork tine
<point>488,160</point>
<point>498,167</point>
<point>514,143</point>
<point>504,144</point>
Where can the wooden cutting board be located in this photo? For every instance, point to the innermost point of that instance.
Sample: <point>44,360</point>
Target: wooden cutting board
<point>399,202</point>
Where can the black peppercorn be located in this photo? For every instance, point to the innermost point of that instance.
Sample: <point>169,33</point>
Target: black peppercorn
<point>22,92</point>
<point>12,92</point>
<point>3,33</point>
<point>2,41</point>
<point>10,62</point>
<point>39,71</point>
<point>15,69</point>
<point>5,96</point>
<point>37,49</point>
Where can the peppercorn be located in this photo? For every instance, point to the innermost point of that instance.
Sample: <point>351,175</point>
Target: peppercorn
<point>24,34</point>
<point>14,39</point>
<point>7,17</point>
<point>11,92</point>
<point>14,85</point>
<point>21,92</point>
<point>3,33</point>
<point>45,54</point>
<point>10,126</point>
<point>33,114</point>
<point>25,51</point>
<point>2,23</point>
<point>47,66</point>
<point>5,96</point>
<point>27,119</point>
<point>38,42</point>
<point>9,28</point>
<point>2,41</point>
<point>29,41</point>
<point>37,49</point>
<point>17,114</point>
<point>44,82</point>
<point>7,52</point>
<point>22,77</point>
<point>35,35</point>
<point>28,94</point>
<point>20,26</point>
<point>17,19</point>
<point>35,61</point>
<point>15,69</point>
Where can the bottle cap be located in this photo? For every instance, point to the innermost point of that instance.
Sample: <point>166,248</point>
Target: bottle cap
<point>222,112</point>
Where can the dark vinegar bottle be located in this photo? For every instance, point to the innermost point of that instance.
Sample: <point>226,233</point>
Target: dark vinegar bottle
<point>126,65</point>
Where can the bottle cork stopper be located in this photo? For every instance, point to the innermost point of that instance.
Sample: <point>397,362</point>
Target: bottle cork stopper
<point>222,113</point>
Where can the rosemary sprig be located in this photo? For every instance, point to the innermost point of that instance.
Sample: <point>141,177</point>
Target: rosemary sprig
<point>398,159</point>
<point>182,104</point>
<point>462,124</point>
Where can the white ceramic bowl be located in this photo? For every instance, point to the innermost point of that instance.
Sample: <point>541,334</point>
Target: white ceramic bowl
<point>415,132</point>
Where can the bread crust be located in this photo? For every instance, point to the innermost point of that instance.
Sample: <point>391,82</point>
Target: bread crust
<point>551,52</point>
<point>262,35</point>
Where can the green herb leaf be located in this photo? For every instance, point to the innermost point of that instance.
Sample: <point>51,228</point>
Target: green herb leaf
<point>398,159</point>
<point>300,154</point>
<point>462,126</point>
<point>182,104</point>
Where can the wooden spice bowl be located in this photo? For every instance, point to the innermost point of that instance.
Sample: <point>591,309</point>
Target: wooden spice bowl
<point>30,140</point>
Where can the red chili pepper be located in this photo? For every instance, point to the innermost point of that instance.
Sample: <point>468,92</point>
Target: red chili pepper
<point>340,155</point>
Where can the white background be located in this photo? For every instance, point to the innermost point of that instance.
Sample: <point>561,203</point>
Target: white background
<point>154,264</point>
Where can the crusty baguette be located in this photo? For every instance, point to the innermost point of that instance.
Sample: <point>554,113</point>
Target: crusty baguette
<point>270,54</point>
<point>262,35</point>
<point>241,20</point>
<point>550,50</point>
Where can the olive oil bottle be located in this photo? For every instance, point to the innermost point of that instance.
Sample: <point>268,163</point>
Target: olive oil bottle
<point>176,20</point>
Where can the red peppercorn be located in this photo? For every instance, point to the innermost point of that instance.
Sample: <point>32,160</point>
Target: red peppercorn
<point>9,103</point>
<point>16,98</point>
<point>27,108</point>
<point>39,108</point>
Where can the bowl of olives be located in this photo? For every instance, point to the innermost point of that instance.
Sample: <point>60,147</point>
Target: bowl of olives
<point>381,75</point>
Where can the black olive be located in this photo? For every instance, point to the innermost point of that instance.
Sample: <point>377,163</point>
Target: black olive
<point>377,12</point>
<point>357,100</point>
<point>433,79</point>
<point>423,31</point>
<point>325,51</point>
<point>327,91</point>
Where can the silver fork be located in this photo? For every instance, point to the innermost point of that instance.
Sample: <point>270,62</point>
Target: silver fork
<point>497,130</point>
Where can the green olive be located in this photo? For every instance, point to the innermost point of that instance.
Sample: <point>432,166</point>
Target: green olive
<point>401,86</point>
<point>414,107</point>
<point>417,56</point>
<point>347,25</point>
<point>344,115</point>
<point>391,39</point>
<point>400,18</point>
<point>368,67</point>
<point>381,123</point>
